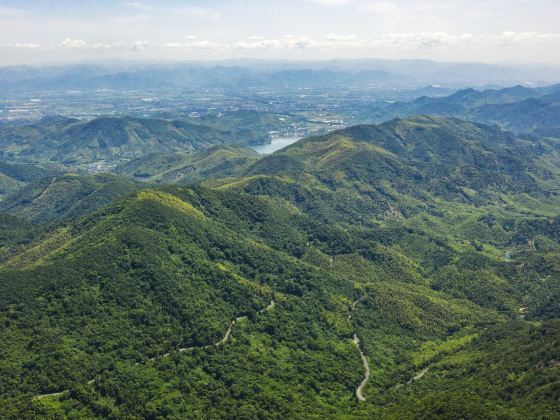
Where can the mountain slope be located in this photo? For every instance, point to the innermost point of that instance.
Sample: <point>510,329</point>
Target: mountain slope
<point>68,196</point>
<point>16,234</point>
<point>72,141</point>
<point>539,117</point>
<point>258,295</point>
<point>522,110</point>
<point>163,248</point>
<point>407,163</point>
<point>214,162</point>
<point>13,176</point>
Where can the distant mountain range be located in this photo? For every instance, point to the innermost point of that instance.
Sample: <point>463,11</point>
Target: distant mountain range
<point>520,109</point>
<point>243,74</point>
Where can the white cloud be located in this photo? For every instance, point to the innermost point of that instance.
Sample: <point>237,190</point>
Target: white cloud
<point>413,41</point>
<point>287,42</point>
<point>140,45</point>
<point>74,43</point>
<point>101,46</point>
<point>27,45</point>
<point>507,38</point>
<point>431,45</point>
<point>422,41</point>
<point>195,45</point>
<point>400,41</point>
<point>173,45</point>
<point>343,39</point>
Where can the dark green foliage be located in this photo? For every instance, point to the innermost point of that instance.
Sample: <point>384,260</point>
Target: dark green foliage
<point>26,172</point>
<point>64,197</point>
<point>15,233</point>
<point>510,370</point>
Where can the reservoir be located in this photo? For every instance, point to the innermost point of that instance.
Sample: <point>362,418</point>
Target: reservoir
<point>274,145</point>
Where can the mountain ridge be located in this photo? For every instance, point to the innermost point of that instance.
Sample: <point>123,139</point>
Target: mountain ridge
<point>528,111</point>
<point>110,138</point>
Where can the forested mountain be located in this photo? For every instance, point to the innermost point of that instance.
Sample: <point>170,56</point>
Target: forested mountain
<point>214,162</point>
<point>417,158</point>
<point>16,234</point>
<point>536,116</point>
<point>428,246</point>
<point>72,141</point>
<point>65,197</point>
<point>14,176</point>
<point>522,110</point>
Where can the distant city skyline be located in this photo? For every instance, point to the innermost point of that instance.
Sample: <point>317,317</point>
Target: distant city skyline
<point>492,31</point>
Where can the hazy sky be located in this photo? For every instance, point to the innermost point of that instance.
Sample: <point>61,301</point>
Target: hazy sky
<point>35,31</point>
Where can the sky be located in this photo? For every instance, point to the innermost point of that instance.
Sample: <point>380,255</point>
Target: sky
<point>493,31</point>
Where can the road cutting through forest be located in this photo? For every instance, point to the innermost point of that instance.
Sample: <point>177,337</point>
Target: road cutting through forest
<point>356,341</point>
<point>222,341</point>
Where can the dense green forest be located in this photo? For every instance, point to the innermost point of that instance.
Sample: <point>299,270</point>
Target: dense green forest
<point>14,176</point>
<point>432,241</point>
<point>184,168</point>
<point>65,197</point>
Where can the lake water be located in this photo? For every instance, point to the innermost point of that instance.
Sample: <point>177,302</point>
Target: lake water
<point>275,144</point>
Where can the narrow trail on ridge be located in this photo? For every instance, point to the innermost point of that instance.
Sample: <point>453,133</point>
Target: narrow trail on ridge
<point>419,376</point>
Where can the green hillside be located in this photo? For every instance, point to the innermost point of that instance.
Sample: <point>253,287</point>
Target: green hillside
<point>539,117</point>
<point>65,197</point>
<point>426,248</point>
<point>16,234</point>
<point>116,139</point>
<point>13,176</point>
<point>214,162</point>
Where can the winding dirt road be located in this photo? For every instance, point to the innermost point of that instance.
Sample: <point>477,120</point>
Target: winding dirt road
<point>153,359</point>
<point>352,307</point>
<point>356,341</point>
<point>360,388</point>
<point>224,339</point>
